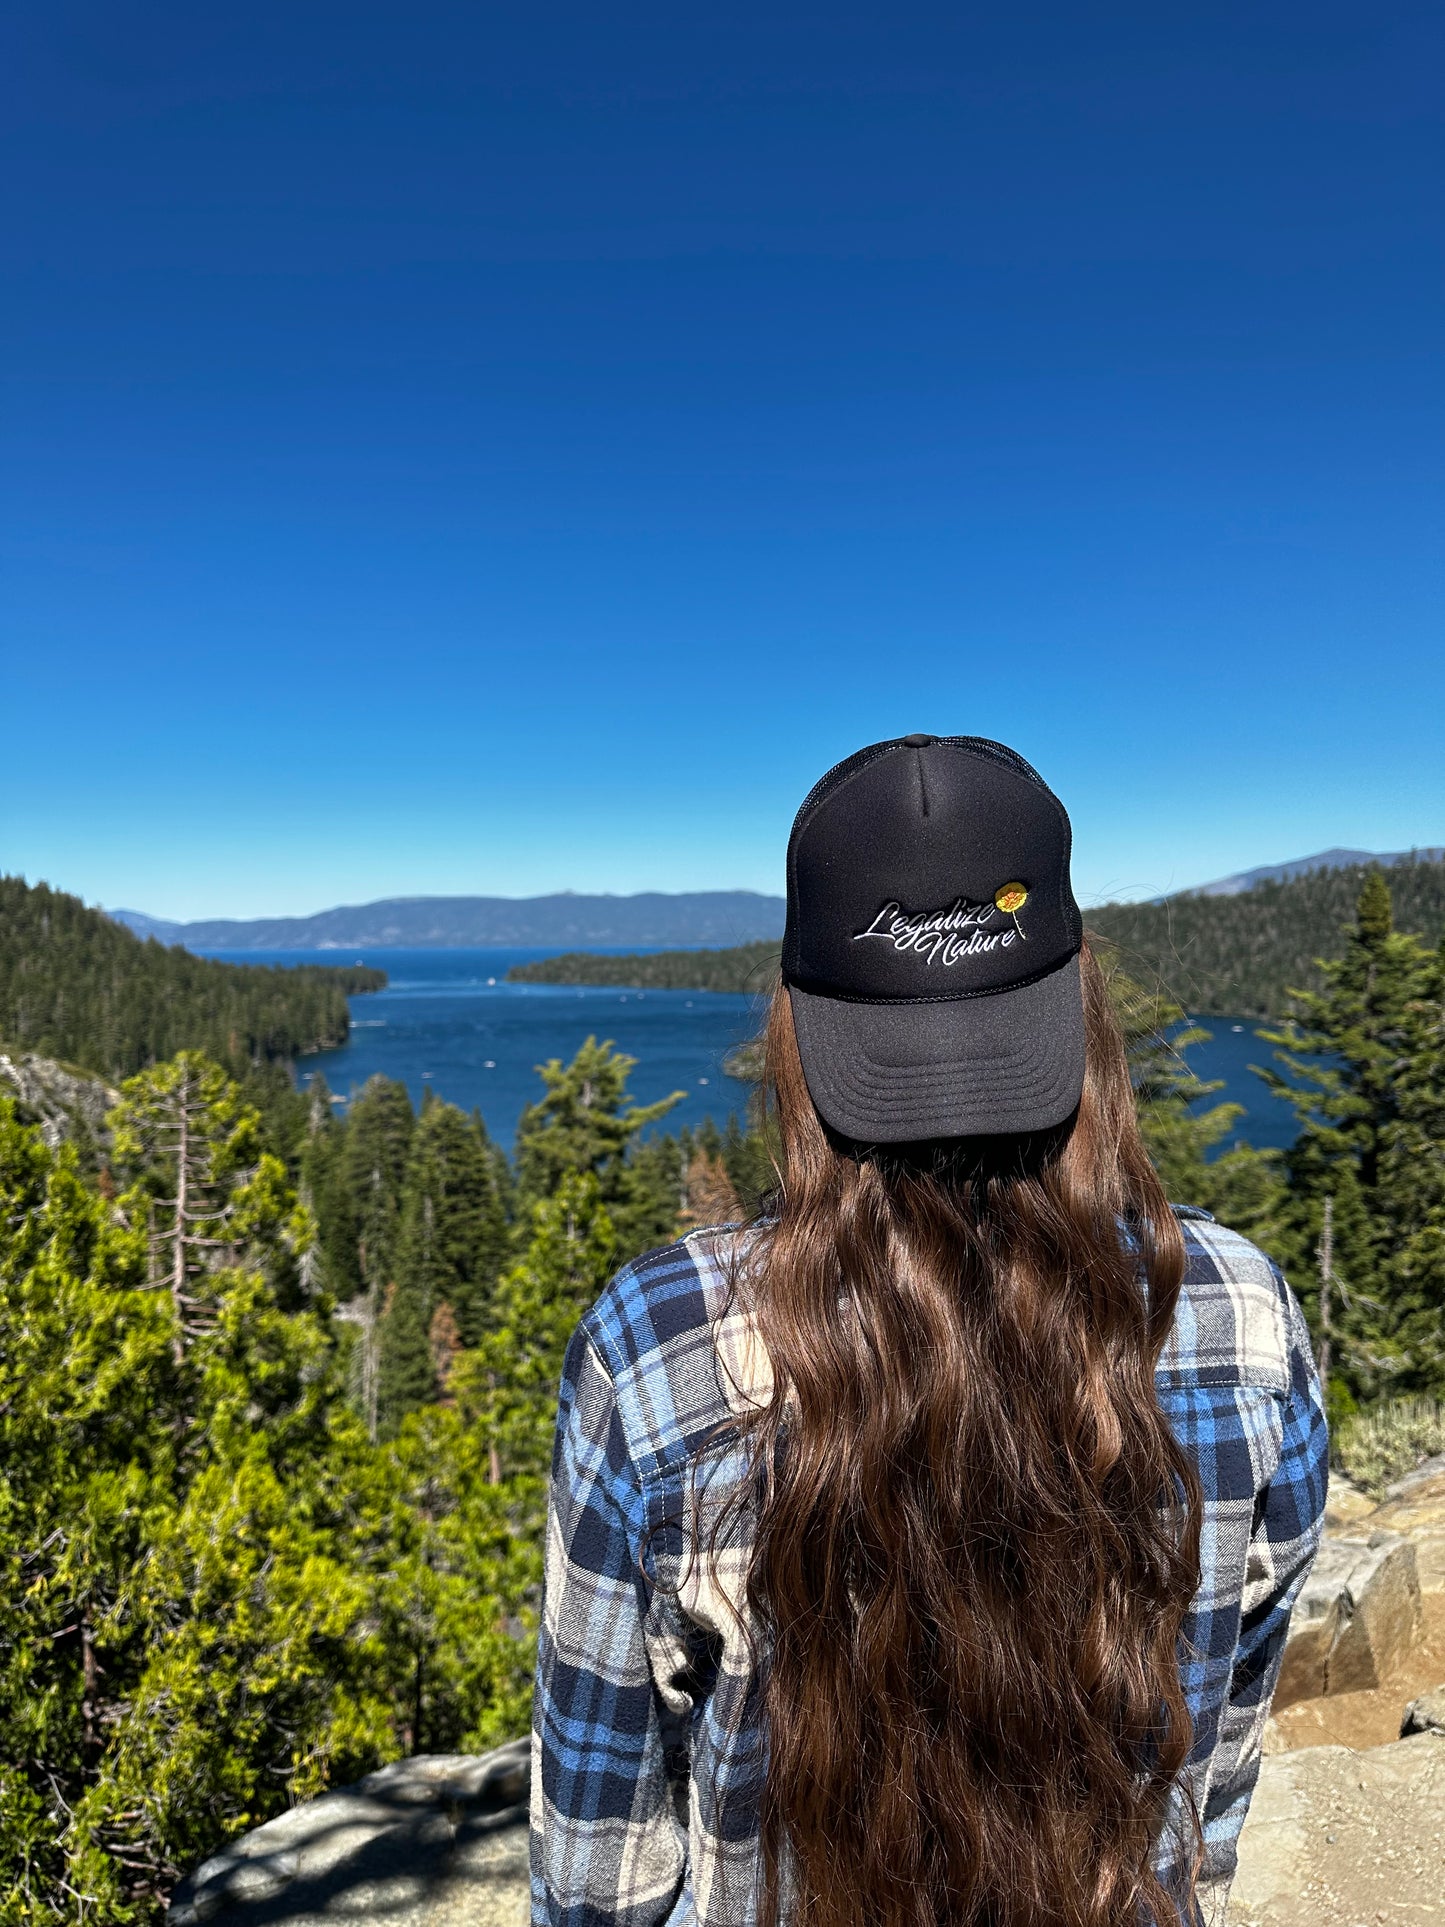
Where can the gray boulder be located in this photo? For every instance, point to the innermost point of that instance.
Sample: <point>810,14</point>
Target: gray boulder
<point>1335,1838</point>
<point>1425,1715</point>
<point>1409,1483</point>
<point>1358,1614</point>
<point>435,1841</point>
<point>1415,1507</point>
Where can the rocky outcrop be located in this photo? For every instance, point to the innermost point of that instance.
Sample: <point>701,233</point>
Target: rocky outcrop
<point>1415,1507</point>
<point>64,1103</point>
<point>1346,1505</point>
<point>1332,1837</point>
<point>438,1841</point>
<point>1358,1613</point>
<point>1343,1834</point>
<point>1335,1836</point>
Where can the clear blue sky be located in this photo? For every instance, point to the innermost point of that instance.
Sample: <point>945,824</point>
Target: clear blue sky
<point>498,448</point>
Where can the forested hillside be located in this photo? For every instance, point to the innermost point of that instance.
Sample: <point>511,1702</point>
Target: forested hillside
<point>1241,955</point>
<point>748,967</point>
<point>1225,955</point>
<point>74,985</point>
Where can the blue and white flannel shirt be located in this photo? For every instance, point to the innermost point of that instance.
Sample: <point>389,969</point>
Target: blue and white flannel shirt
<point>646,1753</point>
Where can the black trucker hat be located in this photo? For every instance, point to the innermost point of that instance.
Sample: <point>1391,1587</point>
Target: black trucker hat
<point>932,944</point>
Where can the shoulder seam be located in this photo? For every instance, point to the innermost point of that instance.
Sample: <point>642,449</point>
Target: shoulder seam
<point>626,1282</point>
<point>594,1345</point>
<point>590,1325</point>
<point>1232,1324</point>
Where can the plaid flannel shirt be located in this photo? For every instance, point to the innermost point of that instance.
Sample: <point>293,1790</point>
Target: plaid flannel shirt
<point>647,1755</point>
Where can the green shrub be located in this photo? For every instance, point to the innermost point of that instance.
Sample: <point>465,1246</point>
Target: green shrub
<point>1373,1448</point>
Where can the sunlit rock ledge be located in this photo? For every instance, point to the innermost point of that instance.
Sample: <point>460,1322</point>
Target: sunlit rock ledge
<point>435,1841</point>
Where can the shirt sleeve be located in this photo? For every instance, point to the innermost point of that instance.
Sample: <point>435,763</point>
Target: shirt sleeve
<point>1288,1520</point>
<point>606,1845</point>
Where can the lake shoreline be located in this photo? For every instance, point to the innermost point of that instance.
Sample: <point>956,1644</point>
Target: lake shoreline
<point>448,1020</point>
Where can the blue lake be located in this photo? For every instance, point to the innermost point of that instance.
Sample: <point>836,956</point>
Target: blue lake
<point>1232,1047</point>
<point>447,1020</point>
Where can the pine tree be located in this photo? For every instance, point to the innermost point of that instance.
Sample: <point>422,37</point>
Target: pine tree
<point>175,1646</point>
<point>648,1195</point>
<point>584,1123</point>
<point>452,1242</point>
<point>1244,1186</point>
<point>216,1597</point>
<point>88,1379</point>
<point>508,1384</point>
<point>708,1194</point>
<point>1411,1180</point>
<point>457,1600</point>
<point>211,1195</point>
<point>377,1146</point>
<point>1363,1069</point>
<point>461,1243</point>
<point>750,1159</point>
<point>328,1195</point>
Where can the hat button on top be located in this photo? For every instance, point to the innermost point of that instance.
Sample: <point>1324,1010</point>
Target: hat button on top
<point>918,742</point>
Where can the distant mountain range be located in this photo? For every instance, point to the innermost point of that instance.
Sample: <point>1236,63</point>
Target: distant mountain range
<point>652,917</point>
<point>689,917</point>
<point>1305,866</point>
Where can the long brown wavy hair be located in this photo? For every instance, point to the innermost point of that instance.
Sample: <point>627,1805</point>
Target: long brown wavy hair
<point>976,1534</point>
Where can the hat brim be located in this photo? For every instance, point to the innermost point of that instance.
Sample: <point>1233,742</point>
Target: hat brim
<point>961,1067</point>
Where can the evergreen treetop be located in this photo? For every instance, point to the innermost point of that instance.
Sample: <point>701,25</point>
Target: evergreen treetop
<point>1364,1063</point>
<point>583,1122</point>
<point>453,1241</point>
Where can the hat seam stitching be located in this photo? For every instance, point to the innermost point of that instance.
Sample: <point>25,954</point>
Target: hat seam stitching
<point>938,996</point>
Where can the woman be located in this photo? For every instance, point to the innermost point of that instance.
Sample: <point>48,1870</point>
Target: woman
<point>924,1553</point>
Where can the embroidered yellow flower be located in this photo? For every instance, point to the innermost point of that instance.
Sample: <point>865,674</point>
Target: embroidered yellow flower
<point>1011,897</point>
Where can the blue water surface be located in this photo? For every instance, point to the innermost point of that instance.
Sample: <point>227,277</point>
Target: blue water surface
<point>447,1020</point>
<point>1228,1053</point>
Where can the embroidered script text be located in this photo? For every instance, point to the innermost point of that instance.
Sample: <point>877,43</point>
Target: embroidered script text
<point>941,936</point>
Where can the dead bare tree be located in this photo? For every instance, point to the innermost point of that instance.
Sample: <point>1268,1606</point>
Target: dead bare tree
<point>189,1237</point>
<point>365,1313</point>
<point>1325,1253</point>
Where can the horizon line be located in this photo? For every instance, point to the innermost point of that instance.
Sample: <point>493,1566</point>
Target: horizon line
<point>1429,852</point>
